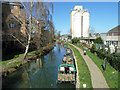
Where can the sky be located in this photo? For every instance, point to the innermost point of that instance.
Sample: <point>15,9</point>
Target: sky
<point>103,15</point>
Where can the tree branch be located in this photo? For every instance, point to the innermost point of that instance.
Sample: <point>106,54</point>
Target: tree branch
<point>18,40</point>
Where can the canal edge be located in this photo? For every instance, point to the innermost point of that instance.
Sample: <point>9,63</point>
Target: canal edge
<point>29,58</point>
<point>77,77</point>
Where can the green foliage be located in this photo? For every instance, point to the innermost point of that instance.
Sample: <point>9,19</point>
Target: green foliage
<point>84,44</point>
<point>111,75</point>
<point>115,49</point>
<point>75,40</point>
<point>93,48</point>
<point>108,49</point>
<point>111,78</point>
<point>98,40</point>
<point>113,60</point>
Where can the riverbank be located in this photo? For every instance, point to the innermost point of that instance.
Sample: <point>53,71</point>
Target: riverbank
<point>111,75</point>
<point>12,65</point>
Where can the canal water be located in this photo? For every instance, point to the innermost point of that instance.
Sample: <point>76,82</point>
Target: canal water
<point>40,73</point>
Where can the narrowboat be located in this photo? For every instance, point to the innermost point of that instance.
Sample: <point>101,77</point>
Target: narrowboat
<point>60,42</point>
<point>68,50</point>
<point>67,70</point>
<point>65,45</point>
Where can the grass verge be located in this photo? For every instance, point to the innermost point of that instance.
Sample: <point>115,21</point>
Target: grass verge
<point>84,73</point>
<point>111,75</point>
<point>21,55</point>
<point>15,57</point>
<point>11,65</point>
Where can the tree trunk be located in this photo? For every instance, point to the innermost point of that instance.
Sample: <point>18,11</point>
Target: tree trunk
<point>27,47</point>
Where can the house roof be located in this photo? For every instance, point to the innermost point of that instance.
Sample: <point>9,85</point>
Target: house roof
<point>116,29</point>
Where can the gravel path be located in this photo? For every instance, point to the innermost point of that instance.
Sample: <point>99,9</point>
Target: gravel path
<point>98,80</point>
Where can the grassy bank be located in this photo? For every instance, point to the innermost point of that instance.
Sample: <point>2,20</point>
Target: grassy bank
<point>11,65</point>
<point>111,75</point>
<point>84,73</point>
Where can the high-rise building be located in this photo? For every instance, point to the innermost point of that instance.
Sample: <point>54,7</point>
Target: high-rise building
<point>79,22</point>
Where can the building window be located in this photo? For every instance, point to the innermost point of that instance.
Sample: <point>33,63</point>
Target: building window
<point>11,6</point>
<point>19,25</point>
<point>12,25</point>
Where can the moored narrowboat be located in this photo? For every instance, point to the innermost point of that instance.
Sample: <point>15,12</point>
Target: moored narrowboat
<point>67,70</point>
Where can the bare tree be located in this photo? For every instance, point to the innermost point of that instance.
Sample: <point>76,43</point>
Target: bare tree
<point>34,21</point>
<point>91,30</point>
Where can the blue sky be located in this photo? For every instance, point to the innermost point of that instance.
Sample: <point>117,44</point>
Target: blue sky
<point>103,15</point>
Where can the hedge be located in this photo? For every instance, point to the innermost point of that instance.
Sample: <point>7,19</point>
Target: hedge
<point>112,59</point>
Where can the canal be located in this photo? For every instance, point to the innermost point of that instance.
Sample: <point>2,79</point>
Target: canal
<point>40,73</point>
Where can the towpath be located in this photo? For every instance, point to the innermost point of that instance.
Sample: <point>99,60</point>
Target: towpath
<point>97,78</point>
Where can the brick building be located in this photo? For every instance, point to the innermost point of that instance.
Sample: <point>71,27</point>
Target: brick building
<point>13,17</point>
<point>13,21</point>
<point>114,32</point>
<point>112,37</point>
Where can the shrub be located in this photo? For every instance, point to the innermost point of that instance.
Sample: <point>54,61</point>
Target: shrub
<point>84,44</point>
<point>98,40</point>
<point>93,48</point>
<point>75,40</point>
<point>112,59</point>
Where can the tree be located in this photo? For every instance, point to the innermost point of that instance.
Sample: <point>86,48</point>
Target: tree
<point>93,48</point>
<point>91,30</point>
<point>115,49</point>
<point>108,49</point>
<point>58,34</point>
<point>75,40</point>
<point>42,12</point>
<point>34,22</point>
<point>98,40</point>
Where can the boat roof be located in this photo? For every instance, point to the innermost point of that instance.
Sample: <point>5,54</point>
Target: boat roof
<point>66,65</point>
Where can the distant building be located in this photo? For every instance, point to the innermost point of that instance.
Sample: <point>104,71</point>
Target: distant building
<point>114,32</point>
<point>112,37</point>
<point>79,22</point>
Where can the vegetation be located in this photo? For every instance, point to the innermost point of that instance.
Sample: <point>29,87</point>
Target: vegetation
<point>84,73</point>
<point>93,48</point>
<point>113,60</point>
<point>11,65</point>
<point>111,75</point>
<point>98,40</point>
<point>75,40</point>
<point>15,57</point>
<point>108,49</point>
<point>38,27</point>
<point>115,49</point>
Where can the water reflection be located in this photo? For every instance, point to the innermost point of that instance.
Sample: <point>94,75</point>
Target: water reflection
<point>41,73</point>
<point>59,50</point>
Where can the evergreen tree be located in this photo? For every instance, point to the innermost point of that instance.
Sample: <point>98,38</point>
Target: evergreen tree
<point>98,40</point>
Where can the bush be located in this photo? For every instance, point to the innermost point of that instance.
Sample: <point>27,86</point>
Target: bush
<point>98,40</point>
<point>112,59</point>
<point>75,40</point>
<point>100,54</point>
<point>84,44</point>
<point>93,48</point>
